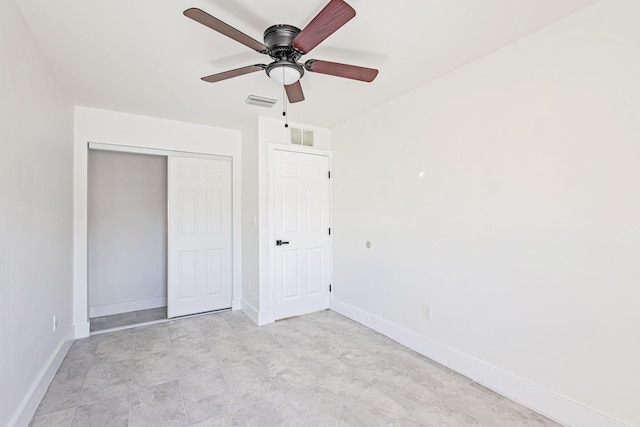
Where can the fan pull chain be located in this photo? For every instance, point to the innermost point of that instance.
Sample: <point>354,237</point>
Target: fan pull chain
<point>284,103</point>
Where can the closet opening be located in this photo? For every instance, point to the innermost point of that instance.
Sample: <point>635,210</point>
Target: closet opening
<point>160,233</point>
<point>127,239</point>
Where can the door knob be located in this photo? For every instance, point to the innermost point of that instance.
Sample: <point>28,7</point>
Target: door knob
<point>280,243</point>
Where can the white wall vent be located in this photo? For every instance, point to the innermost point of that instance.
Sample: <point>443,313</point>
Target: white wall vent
<point>301,137</point>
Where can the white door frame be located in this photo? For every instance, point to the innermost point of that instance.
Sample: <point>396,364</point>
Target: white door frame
<point>271,149</point>
<point>82,329</point>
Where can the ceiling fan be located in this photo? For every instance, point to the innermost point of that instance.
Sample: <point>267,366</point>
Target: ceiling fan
<point>286,44</point>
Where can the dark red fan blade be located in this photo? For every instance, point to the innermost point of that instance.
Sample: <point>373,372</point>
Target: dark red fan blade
<point>341,70</point>
<point>215,24</point>
<point>294,92</point>
<point>328,21</point>
<point>233,73</point>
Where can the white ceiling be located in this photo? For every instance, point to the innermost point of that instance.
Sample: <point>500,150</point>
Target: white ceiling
<point>145,57</point>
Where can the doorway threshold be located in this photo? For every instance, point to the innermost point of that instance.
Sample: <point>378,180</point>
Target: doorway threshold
<point>153,322</point>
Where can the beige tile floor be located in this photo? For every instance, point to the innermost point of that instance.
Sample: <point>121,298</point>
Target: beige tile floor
<point>221,370</point>
<point>127,319</point>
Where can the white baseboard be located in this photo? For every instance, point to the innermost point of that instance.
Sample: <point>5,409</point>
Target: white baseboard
<point>126,306</point>
<point>39,387</point>
<point>259,318</point>
<point>82,329</point>
<point>250,311</point>
<point>236,304</point>
<point>546,402</point>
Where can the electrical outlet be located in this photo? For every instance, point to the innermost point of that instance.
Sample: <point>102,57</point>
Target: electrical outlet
<point>55,324</point>
<point>249,283</point>
<point>426,311</point>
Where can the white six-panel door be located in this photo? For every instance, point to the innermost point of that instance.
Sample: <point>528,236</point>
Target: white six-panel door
<point>199,246</point>
<point>301,219</point>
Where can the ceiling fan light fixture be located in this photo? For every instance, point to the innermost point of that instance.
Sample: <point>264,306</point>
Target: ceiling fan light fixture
<point>285,72</point>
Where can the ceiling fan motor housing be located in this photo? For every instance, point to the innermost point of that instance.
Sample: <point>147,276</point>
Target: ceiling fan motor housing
<point>279,40</point>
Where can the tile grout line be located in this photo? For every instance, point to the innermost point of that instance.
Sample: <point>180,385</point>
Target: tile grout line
<point>173,356</point>
<point>84,382</point>
<point>133,366</point>
<point>220,363</point>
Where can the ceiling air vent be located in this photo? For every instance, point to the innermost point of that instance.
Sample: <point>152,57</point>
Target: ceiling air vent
<point>301,137</point>
<point>261,101</point>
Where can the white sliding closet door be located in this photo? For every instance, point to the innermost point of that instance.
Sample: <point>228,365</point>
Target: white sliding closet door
<point>199,255</point>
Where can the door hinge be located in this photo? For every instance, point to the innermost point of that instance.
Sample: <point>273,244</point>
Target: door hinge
<point>329,287</point>
<point>329,231</point>
<point>329,174</point>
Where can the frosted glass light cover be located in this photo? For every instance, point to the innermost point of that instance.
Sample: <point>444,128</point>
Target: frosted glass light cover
<point>285,75</point>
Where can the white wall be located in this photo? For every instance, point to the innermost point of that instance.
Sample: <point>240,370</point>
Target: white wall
<point>127,236</point>
<point>36,139</point>
<point>507,196</point>
<point>120,129</point>
<point>250,275</point>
